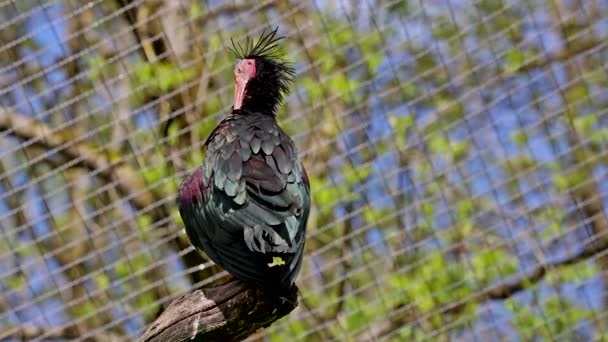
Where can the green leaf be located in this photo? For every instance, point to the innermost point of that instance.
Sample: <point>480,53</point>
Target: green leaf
<point>206,126</point>
<point>102,280</point>
<point>465,209</point>
<point>584,124</point>
<point>569,181</point>
<point>466,228</point>
<point>296,328</point>
<point>595,76</point>
<point>328,64</point>
<point>340,84</point>
<point>15,282</point>
<point>410,333</point>
<point>381,217</point>
<point>427,209</point>
<point>515,58</point>
<point>400,124</point>
<point>599,136</point>
<point>554,229</point>
<point>195,10</point>
<point>524,318</point>
<point>521,163</point>
<point>159,76</point>
<point>444,28</point>
<point>372,215</point>
<point>144,222</point>
<point>519,137</point>
<point>95,63</point>
<point>122,269</point>
<point>84,309</point>
<point>175,215</point>
<point>154,174</point>
<point>139,262</point>
<point>401,7</point>
<point>561,182</point>
<point>439,144</point>
<point>142,73</point>
<point>409,90</point>
<point>489,265</point>
<point>313,88</point>
<point>578,274</point>
<point>398,281</point>
<point>324,194</point>
<point>144,300</point>
<point>353,176</point>
<point>344,36</point>
<point>374,60</point>
<point>460,149</point>
<point>576,93</point>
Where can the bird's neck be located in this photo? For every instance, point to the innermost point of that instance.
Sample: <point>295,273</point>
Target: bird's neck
<point>258,110</point>
<point>259,99</point>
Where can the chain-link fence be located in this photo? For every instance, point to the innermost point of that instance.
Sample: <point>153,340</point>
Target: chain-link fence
<point>456,151</point>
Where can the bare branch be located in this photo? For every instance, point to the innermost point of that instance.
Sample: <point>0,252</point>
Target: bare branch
<point>506,290</point>
<point>128,181</point>
<point>406,313</point>
<point>545,61</point>
<point>228,312</point>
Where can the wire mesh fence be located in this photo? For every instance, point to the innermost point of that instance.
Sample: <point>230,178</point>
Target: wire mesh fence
<point>456,151</point>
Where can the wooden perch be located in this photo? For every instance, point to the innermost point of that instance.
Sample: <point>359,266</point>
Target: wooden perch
<point>228,312</point>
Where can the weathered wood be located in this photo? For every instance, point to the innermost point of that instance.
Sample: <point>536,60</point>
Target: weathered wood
<point>228,312</point>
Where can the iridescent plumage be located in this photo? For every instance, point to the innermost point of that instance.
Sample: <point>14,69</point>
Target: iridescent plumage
<point>247,205</point>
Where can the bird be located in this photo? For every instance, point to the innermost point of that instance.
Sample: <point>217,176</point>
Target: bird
<point>246,207</point>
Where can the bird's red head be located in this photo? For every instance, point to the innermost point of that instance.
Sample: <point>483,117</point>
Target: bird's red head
<point>262,75</point>
<point>244,71</point>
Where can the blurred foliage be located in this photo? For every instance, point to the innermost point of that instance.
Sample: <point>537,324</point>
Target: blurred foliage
<point>448,151</point>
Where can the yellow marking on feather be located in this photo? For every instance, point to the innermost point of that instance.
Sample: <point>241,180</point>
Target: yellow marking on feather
<point>276,261</point>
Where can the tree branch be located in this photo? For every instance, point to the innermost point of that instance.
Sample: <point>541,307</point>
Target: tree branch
<point>541,61</point>
<point>507,289</point>
<point>228,312</point>
<point>129,182</point>
<point>405,313</point>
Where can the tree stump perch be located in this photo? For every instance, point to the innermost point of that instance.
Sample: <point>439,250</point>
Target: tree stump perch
<point>227,312</point>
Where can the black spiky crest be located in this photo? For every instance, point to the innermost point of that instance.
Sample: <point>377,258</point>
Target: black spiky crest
<point>279,72</point>
<point>265,47</point>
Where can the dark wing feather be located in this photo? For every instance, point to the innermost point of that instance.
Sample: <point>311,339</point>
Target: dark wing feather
<point>254,202</point>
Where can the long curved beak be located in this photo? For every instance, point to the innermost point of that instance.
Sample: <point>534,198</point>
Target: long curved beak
<point>239,93</point>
